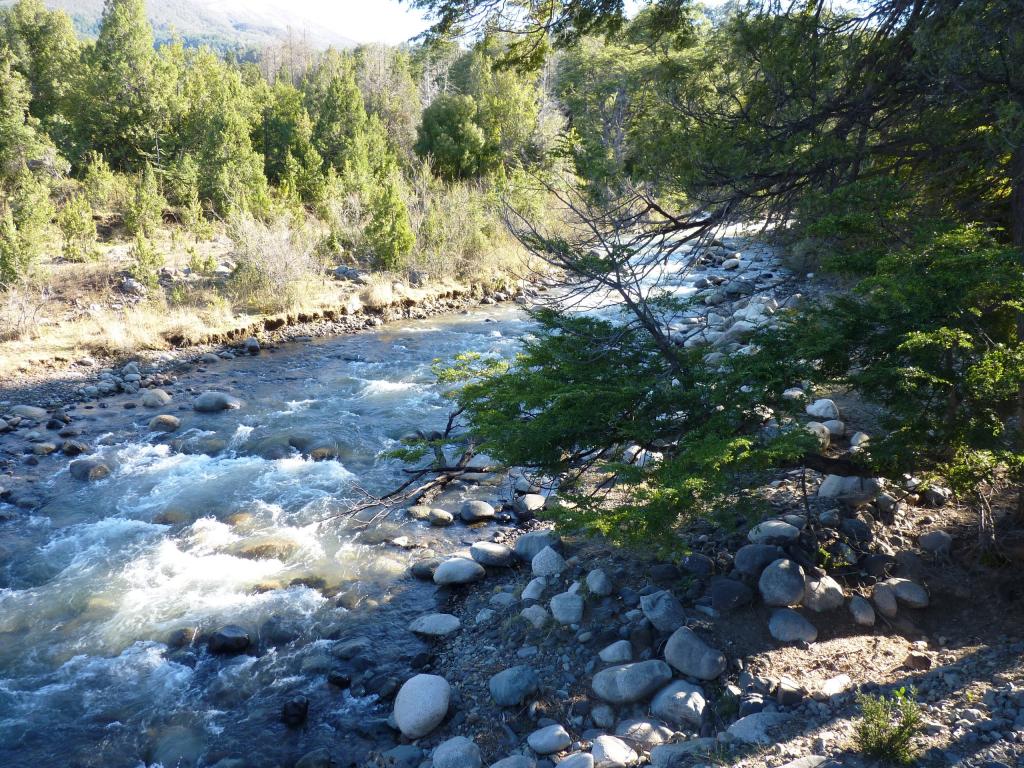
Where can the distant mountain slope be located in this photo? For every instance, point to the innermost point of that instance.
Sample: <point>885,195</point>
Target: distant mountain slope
<point>219,23</point>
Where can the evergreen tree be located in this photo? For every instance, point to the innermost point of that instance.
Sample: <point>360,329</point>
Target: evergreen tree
<point>25,215</point>
<point>335,105</point>
<point>21,140</point>
<point>451,137</point>
<point>122,106</point>
<point>389,232</point>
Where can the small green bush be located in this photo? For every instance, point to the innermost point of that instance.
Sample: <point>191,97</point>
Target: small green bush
<point>144,213</point>
<point>888,726</point>
<point>77,229</point>
<point>146,262</point>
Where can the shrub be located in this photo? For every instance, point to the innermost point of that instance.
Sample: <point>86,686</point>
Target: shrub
<point>888,726</point>
<point>389,234</point>
<point>144,213</point>
<point>77,229</point>
<point>146,261</point>
<point>201,265</point>
<point>103,189</point>
<point>25,213</point>
<point>275,261</point>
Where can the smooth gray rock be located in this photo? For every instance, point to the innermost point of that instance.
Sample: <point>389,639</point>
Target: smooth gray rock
<point>491,553</point>
<point>788,626</point>
<point>753,729</point>
<point>619,652</point>
<point>32,412</point>
<point>782,583</point>
<point>862,612</point>
<point>728,594</point>
<point>599,584</point>
<point>421,705</point>
<point>773,532</point>
<point>529,544</point>
<point>936,542</point>
<point>164,423</point>
<point>511,687</point>
<point>909,593</point>
<point>155,398</point>
<point>529,504</point>
<point>611,752</point>
<point>680,704</point>
<point>213,401</point>
<point>537,615</point>
<point>547,562</point>
<point>823,409</point>
<point>476,511</point>
<point>752,559</point>
<point>692,656</point>
<point>663,610</point>
<point>643,734</point>
<point>440,518</point>
<point>88,469</point>
<point>457,752</point>
<point>567,608</point>
<point>552,738</point>
<point>824,594</point>
<point>435,624</point>
<point>458,570</point>
<point>229,639</point>
<point>884,598</point>
<point>682,752</point>
<point>631,682</point>
<point>515,761</point>
<point>535,589</point>
<point>577,760</point>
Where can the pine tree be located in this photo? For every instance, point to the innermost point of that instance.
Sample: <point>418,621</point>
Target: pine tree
<point>335,105</point>
<point>389,233</point>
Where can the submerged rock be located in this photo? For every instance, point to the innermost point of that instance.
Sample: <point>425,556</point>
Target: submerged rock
<point>213,401</point>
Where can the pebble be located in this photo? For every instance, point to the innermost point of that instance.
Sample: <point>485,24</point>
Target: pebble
<point>618,652</point>
<point>663,610</point>
<point>435,625</point>
<point>511,687</point>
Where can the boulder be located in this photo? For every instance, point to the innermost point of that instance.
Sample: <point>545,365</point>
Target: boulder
<point>421,705</point>
<point>550,739</point>
<point>457,752</point>
<point>164,423</point>
<point>728,594</point>
<point>631,682</point>
<point>213,401</point>
<point>788,626</point>
<point>824,409</point>
<point>753,729</point>
<point>491,553</point>
<point>752,559</point>
<point>458,570</point>
<point>820,432</point>
<point>155,398</point>
<point>692,656</point>
<point>782,583</point>
<point>663,610</point>
<point>936,542</point>
<point>909,593</point>
<point>512,686</point>
<point>599,584</point>
<point>435,625</point>
<point>88,469</point>
<point>529,544</point>
<point>31,412</point>
<point>528,505</point>
<point>862,612</point>
<point>229,639</point>
<point>680,704</point>
<point>619,652</point>
<point>567,608</point>
<point>476,511</point>
<point>440,518</point>
<point>547,562</point>
<point>773,532</point>
<point>824,594</point>
<point>610,752</point>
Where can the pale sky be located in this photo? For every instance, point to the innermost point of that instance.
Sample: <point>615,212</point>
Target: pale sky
<point>365,21</point>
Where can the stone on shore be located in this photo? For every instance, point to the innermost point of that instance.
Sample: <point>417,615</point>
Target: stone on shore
<point>421,705</point>
<point>511,687</point>
<point>550,739</point>
<point>909,593</point>
<point>435,625</point>
<point>692,656</point>
<point>788,626</point>
<point>155,398</point>
<point>457,752</point>
<point>752,559</point>
<point>547,562</point>
<point>782,583</point>
<point>476,511</point>
<point>753,729</point>
<point>599,584</point>
<point>824,409</point>
<point>440,518</point>
<point>937,542</point>
<point>528,505</point>
<point>529,544</point>
<point>458,570</point>
<point>229,639</point>
<point>491,553</point>
<point>619,652</point>
<point>567,608</point>
<point>680,704</point>
<point>773,532</point>
<point>862,612</point>
<point>823,594</point>
<point>611,752</point>
<point>663,610</point>
<point>631,682</point>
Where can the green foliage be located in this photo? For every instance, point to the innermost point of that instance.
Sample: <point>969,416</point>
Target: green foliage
<point>77,229</point>
<point>25,215</point>
<point>335,103</point>
<point>888,726</point>
<point>389,233</point>
<point>201,265</point>
<point>101,185</point>
<point>144,212</point>
<point>21,139</point>
<point>451,137</point>
<point>146,261</point>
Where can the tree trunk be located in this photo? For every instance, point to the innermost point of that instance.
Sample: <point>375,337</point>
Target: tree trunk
<point>1017,230</point>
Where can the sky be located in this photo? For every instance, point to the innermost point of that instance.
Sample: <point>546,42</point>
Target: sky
<point>365,21</point>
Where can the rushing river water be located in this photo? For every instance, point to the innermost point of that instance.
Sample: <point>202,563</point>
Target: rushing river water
<point>221,523</point>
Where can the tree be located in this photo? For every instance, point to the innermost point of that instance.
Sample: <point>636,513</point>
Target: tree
<point>385,79</point>
<point>335,105</point>
<point>450,135</point>
<point>288,151</point>
<point>389,233</point>
<point>22,141</point>
<point>46,52</point>
<point>77,228</point>
<point>121,106</point>
<point>144,213</point>
<point>25,214</point>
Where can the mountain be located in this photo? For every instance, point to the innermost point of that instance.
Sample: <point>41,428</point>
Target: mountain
<point>221,24</point>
